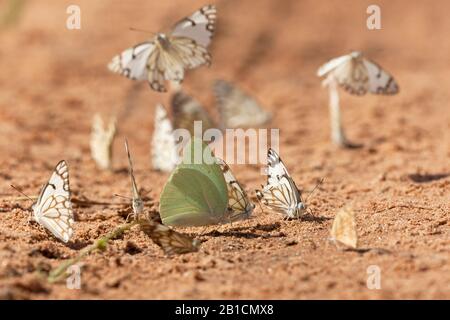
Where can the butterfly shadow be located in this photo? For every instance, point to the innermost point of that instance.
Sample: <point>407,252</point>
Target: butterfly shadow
<point>247,232</point>
<point>424,178</point>
<point>313,218</point>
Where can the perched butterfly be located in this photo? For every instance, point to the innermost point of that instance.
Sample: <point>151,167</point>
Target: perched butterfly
<point>166,56</point>
<point>358,75</point>
<point>281,194</point>
<point>137,203</point>
<point>196,193</point>
<point>344,228</point>
<point>163,146</point>
<point>170,241</point>
<point>237,109</point>
<point>53,209</point>
<point>239,205</point>
<point>102,141</point>
<point>186,110</point>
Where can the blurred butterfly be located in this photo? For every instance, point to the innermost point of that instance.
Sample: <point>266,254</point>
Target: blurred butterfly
<point>53,209</point>
<point>163,146</point>
<point>344,228</point>
<point>281,194</point>
<point>166,56</point>
<point>102,141</point>
<point>237,109</point>
<point>186,110</point>
<point>197,193</point>
<point>358,75</point>
<point>170,241</point>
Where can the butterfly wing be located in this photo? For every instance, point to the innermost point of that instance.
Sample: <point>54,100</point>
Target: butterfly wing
<point>171,241</point>
<point>238,109</point>
<point>102,141</point>
<point>280,194</point>
<point>344,228</point>
<point>196,193</point>
<point>163,146</point>
<point>53,209</point>
<point>331,65</point>
<point>186,111</point>
<point>198,27</point>
<point>239,206</point>
<point>190,198</point>
<point>137,204</point>
<point>132,63</point>
<point>380,81</point>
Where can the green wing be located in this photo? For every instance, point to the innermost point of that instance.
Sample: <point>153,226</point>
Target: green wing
<point>190,198</point>
<point>198,156</point>
<point>196,193</point>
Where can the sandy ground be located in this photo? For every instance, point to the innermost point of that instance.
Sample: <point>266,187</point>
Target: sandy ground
<point>53,80</point>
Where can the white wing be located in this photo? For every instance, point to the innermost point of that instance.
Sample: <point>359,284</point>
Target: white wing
<point>132,62</point>
<point>380,81</point>
<point>164,156</point>
<point>332,64</point>
<point>53,209</point>
<point>198,27</point>
<point>239,206</point>
<point>237,109</point>
<point>280,194</point>
<point>102,141</point>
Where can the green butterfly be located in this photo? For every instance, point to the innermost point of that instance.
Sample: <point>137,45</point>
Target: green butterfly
<point>202,191</point>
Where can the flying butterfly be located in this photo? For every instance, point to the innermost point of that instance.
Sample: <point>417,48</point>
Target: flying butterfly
<point>170,241</point>
<point>344,228</point>
<point>358,75</point>
<point>281,194</point>
<point>102,141</point>
<point>237,109</point>
<point>196,193</point>
<point>53,209</point>
<point>168,55</point>
<point>163,146</point>
<point>186,110</point>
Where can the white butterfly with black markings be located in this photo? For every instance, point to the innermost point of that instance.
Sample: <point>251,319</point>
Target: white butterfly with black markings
<point>358,75</point>
<point>163,146</point>
<point>239,206</point>
<point>281,194</point>
<point>237,109</point>
<point>53,209</point>
<point>168,55</point>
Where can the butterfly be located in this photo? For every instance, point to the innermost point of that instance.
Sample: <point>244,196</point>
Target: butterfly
<point>281,194</point>
<point>197,192</point>
<point>358,75</point>
<point>239,205</point>
<point>344,228</point>
<point>137,203</point>
<point>53,209</point>
<point>170,241</point>
<point>237,109</point>
<point>163,146</point>
<point>186,110</point>
<point>102,141</point>
<point>166,56</point>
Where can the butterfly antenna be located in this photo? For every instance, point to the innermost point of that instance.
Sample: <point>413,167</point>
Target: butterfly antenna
<point>142,30</point>
<point>26,196</point>
<point>317,185</point>
<point>120,196</point>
